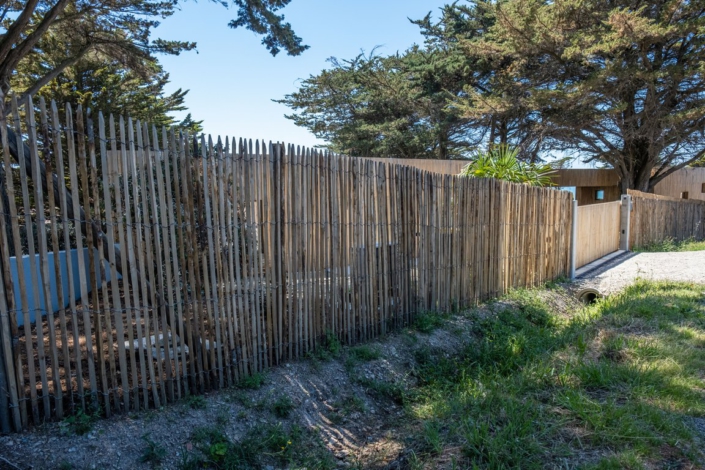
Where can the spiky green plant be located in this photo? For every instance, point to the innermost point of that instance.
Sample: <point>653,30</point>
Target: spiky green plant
<point>501,162</point>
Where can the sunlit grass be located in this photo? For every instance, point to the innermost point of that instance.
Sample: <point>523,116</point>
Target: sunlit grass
<point>670,244</point>
<point>612,385</point>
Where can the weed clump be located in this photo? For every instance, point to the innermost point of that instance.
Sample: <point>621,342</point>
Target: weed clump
<point>82,422</point>
<point>252,382</point>
<point>153,453</point>
<point>262,446</point>
<point>197,402</point>
<point>426,322</point>
<point>282,407</point>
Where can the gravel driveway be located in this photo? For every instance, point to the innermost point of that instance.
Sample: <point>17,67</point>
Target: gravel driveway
<point>617,274</point>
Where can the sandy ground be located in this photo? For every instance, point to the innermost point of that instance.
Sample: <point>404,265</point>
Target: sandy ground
<point>617,274</point>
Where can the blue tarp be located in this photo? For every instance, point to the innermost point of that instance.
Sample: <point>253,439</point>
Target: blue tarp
<point>26,262</point>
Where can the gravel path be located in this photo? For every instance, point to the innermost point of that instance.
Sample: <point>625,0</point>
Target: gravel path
<point>617,274</point>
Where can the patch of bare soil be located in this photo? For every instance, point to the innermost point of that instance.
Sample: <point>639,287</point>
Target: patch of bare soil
<point>352,403</point>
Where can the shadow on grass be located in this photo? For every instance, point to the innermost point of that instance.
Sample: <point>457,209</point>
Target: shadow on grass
<point>609,386</point>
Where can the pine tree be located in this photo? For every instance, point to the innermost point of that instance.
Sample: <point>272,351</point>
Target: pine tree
<point>619,82</point>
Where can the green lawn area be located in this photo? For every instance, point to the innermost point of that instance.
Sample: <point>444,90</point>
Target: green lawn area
<point>670,245</point>
<point>619,384</point>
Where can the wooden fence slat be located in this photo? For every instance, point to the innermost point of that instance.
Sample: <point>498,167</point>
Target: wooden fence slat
<point>140,294</point>
<point>79,160</point>
<point>164,260</point>
<point>185,303</point>
<point>208,263</point>
<point>150,246</point>
<point>8,308</point>
<point>52,371</point>
<point>226,254</point>
<point>58,272</point>
<point>58,387</point>
<point>116,309</point>
<point>125,230</point>
<point>29,226</point>
<point>237,252</point>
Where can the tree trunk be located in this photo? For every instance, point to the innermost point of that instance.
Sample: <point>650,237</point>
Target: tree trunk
<point>443,145</point>
<point>636,173</point>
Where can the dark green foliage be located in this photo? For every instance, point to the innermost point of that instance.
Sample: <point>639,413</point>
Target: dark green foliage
<point>252,382</point>
<point>412,105</point>
<point>108,40</point>
<point>328,348</point>
<point>259,16</point>
<point>282,407</point>
<point>376,106</point>
<point>262,446</point>
<point>426,322</point>
<point>82,422</point>
<point>502,162</point>
<point>153,453</point>
<point>365,352</point>
<point>619,82</point>
<point>196,402</point>
<point>613,82</point>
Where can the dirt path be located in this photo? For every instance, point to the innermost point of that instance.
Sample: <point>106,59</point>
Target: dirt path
<point>341,404</point>
<point>617,274</point>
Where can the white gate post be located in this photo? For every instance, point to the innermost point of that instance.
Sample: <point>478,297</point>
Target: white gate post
<point>626,210</point>
<point>573,239</point>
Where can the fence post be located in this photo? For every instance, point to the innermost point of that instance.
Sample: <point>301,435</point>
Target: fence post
<point>624,222</point>
<point>4,379</point>
<point>573,239</point>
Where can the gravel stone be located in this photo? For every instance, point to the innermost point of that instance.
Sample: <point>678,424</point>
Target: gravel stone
<point>617,274</point>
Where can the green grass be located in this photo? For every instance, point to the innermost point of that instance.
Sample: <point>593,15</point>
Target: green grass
<point>252,382</point>
<point>611,385</point>
<point>670,244</point>
<point>282,407</point>
<point>153,453</point>
<point>329,348</point>
<point>365,353</point>
<point>82,422</point>
<point>426,322</point>
<point>197,402</point>
<point>263,446</point>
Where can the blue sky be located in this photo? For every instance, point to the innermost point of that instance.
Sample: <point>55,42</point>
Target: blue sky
<point>232,78</point>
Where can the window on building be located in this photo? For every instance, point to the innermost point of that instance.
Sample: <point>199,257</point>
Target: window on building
<point>684,195</point>
<point>703,188</point>
<point>599,194</point>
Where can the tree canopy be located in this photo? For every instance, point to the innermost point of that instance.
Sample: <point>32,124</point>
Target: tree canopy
<point>432,101</point>
<point>102,83</point>
<point>368,106</point>
<point>620,83</point>
<point>119,31</point>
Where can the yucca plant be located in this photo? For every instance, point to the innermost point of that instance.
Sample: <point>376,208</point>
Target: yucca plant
<point>501,162</point>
